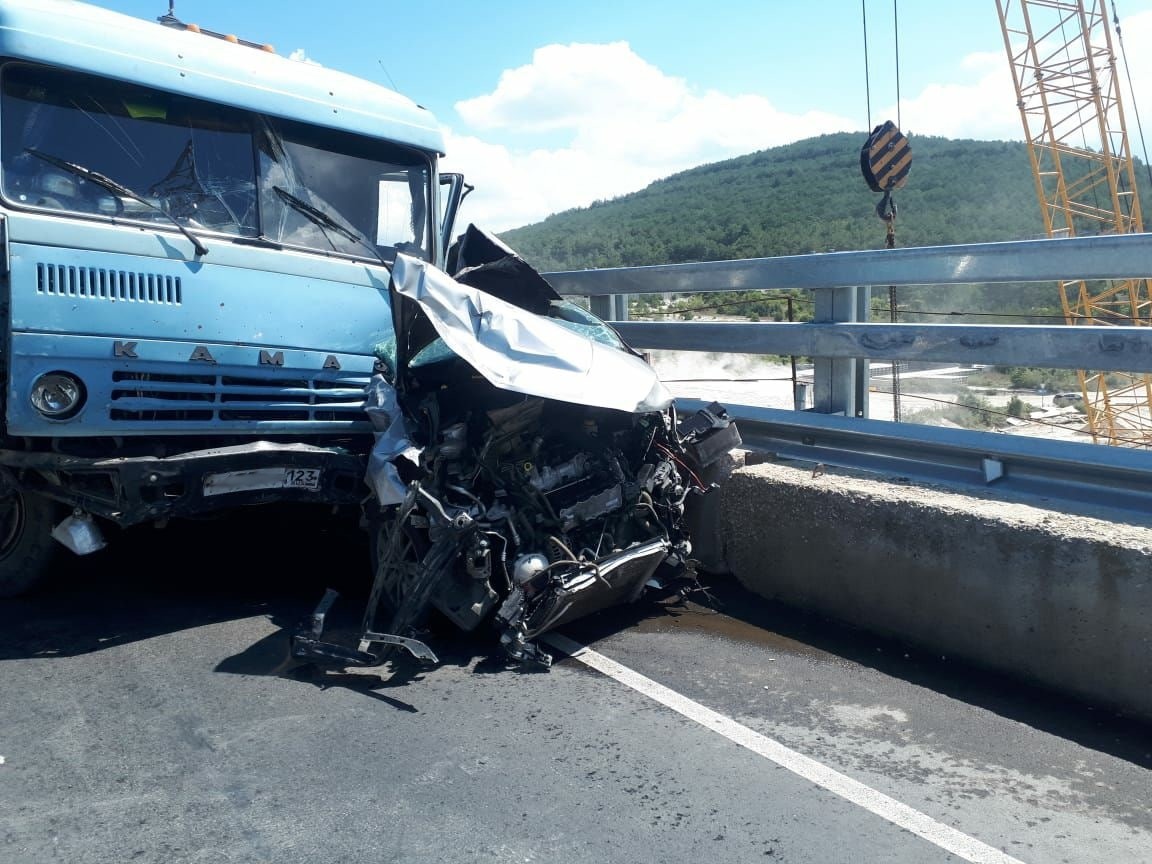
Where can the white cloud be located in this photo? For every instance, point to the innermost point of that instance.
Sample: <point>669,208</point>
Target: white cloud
<point>622,124</point>
<point>583,123</point>
<point>1136,32</point>
<point>302,56</point>
<point>566,85</point>
<point>984,109</point>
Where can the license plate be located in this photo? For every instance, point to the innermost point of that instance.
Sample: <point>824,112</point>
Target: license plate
<point>262,478</point>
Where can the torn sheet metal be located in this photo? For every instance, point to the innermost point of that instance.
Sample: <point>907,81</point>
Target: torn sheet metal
<point>525,353</point>
<point>392,442</point>
<point>530,468</point>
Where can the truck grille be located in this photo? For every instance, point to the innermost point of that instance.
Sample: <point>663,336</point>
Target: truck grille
<point>165,397</point>
<point>95,283</point>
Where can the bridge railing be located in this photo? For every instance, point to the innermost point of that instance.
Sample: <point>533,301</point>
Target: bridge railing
<point>841,340</point>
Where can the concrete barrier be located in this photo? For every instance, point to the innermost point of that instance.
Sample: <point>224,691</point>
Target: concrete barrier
<point>1058,599</point>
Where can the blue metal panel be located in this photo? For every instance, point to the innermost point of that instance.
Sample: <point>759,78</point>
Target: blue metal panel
<point>215,303</point>
<point>86,38</point>
<point>160,241</point>
<point>162,391</point>
<point>130,324</point>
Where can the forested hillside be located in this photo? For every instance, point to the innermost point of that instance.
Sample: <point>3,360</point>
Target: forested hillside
<point>810,197</point>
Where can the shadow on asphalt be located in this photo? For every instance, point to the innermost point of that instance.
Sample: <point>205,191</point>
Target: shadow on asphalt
<point>277,564</point>
<point>270,562</point>
<point>149,582</point>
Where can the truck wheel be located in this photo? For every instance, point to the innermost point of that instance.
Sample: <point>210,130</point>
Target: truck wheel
<point>27,549</point>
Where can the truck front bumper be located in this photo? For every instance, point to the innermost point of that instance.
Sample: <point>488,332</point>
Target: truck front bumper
<point>136,489</point>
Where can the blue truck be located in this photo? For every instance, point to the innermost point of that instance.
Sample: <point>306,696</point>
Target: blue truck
<point>195,242</point>
<point>229,279</point>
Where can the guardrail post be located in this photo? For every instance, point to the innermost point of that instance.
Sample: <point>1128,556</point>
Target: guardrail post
<point>620,302</point>
<point>840,385</point>
<point>863,373</point>
<point>800,396</point>
<point>610,307</point>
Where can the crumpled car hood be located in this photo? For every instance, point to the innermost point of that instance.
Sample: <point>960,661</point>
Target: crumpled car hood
<point>523,352</point>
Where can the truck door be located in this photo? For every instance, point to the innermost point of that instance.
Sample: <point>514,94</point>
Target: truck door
<point>453,190</point>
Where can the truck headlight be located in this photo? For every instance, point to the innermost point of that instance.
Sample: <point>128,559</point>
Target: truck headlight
<point>57,395</point>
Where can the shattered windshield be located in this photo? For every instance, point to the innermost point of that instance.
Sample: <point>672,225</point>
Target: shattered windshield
<point>189,159</point>
<point>377,191</point>
<point>206,167</point>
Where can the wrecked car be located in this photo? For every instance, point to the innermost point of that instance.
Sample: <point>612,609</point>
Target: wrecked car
<point>529,467</point>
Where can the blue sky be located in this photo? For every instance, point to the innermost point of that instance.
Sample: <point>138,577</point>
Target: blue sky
<point>548,106</point>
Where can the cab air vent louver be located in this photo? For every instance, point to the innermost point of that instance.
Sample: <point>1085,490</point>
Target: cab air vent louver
<point>94,283</point>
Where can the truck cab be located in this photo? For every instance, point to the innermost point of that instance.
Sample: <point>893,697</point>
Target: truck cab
<point>197,237</point>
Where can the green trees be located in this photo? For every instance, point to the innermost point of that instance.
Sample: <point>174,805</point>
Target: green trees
<point>791,200</point>
<point>810,197</point>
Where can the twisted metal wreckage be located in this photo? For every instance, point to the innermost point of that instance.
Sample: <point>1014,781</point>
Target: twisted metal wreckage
<point>529,467</point>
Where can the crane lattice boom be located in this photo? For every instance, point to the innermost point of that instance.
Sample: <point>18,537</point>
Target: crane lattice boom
<point>1068,93</point>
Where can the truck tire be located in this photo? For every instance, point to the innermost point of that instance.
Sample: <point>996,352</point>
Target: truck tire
<point>27,549</point>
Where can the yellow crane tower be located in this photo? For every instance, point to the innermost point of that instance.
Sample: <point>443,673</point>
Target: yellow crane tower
<point>1068,93</point>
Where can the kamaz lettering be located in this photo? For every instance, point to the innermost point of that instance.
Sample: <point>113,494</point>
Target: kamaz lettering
<point>266,357</point>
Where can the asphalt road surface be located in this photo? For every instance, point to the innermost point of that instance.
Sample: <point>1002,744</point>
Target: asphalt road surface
<point>149,712</point>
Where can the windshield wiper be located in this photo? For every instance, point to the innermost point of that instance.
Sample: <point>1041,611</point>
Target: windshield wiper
<point>322,219</point>
<point>117,189</point>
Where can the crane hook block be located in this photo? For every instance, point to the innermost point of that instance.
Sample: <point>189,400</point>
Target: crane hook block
<point>885,158</point>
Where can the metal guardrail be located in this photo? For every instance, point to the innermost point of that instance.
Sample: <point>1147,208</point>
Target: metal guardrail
<point>1121,349</point>
<point>842,341</point>
<point>1111,477</point>
<point>1113,257</point>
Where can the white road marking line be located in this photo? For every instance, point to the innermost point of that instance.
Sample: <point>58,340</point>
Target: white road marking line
<point>899,814</point>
